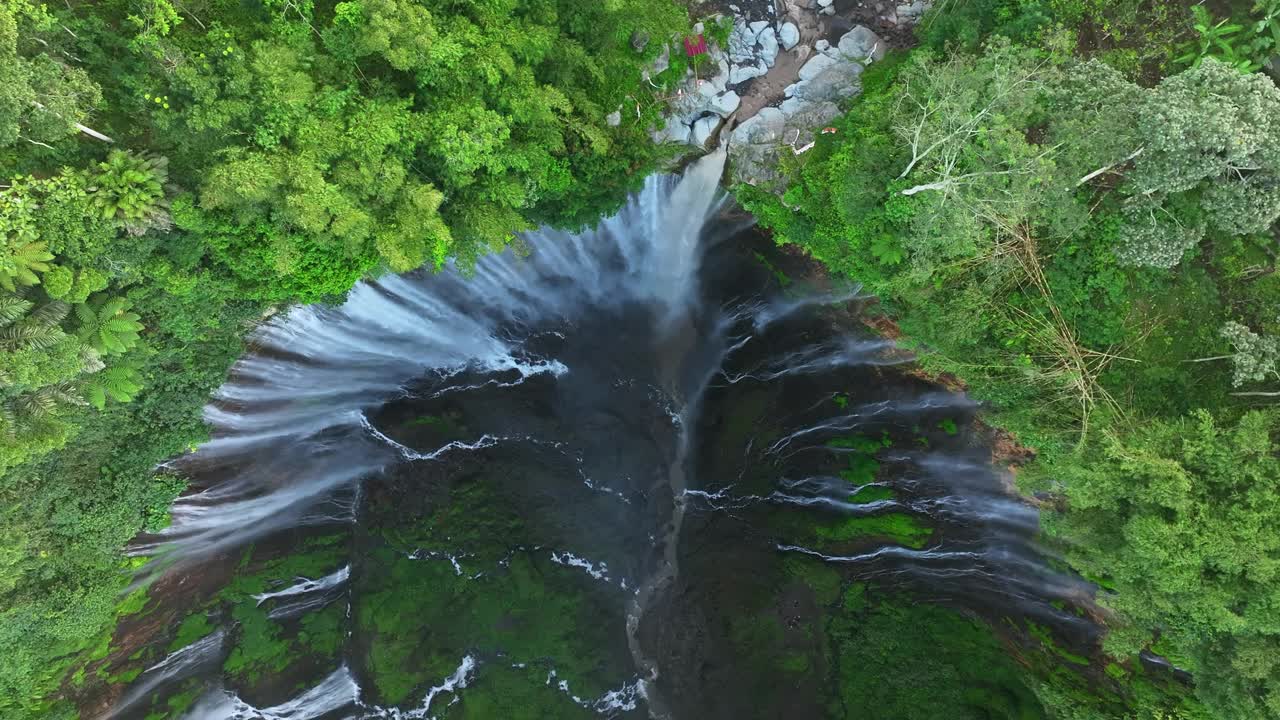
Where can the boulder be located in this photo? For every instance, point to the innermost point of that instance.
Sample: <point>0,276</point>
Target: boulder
<point>911,13</point>
<point>862,45</point>
<point>726,103</point>
<point>674,132</point>
<point>768,41</point>
<point>816,65</point>
<point>742,73</point>
<point>788,35</point>
<point>742,44</point>
<point>704,128</point>
<point>614,119</point>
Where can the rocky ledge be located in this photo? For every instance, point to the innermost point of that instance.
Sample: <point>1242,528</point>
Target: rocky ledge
<point>787,66</point>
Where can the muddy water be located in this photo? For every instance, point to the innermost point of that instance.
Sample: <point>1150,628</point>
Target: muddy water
<point>638,472</point>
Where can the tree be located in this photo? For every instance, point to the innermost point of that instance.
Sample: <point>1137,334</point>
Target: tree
<point>42,98</point>
<point>1204,146</point>
<point>1255,358</point>
<point>1177,517</point>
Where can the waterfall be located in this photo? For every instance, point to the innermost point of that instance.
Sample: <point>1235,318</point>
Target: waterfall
<point>299,400</point>
<point>598,385</point>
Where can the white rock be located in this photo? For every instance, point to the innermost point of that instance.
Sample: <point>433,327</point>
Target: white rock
<point>725,104</point>
<point>862,44</point>
<point>742,44</point>
<point>911,13</point>
<point>722,78</point>
<point>703,129</point>
<point>698,28</point>
<point>815,66</point>
<point>822,46</point>
<point>741,73</point>
<point>791,106</point>
<point>675,131</point>
<point>764,127</point>
<point>828,10</point>
<point>768,46</point>
<point>789,35</point>
<point>614,119</point>
<point>758,26</point>
<point>825,3</point>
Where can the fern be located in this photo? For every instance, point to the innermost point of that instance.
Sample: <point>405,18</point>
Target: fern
<point>12,308</point>
<point>110,328</point>
<point>38,330</point>
<point>20,262</point>
<point>120,383</point>
<point>129,189</point>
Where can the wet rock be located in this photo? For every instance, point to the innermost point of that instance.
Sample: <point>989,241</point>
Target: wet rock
<point>788,35</point>
<point>704,128</point>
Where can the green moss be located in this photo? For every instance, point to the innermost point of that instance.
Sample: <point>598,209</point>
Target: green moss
<point>1042,634</point>
<point>132,603</point>
<point>794,662</point>
<point>1116,671</point>
<point>902,660</point>
<point>510,693</point>
<point>193,628</point>
<point>900,528</point>
<point>855,598</point>
<point>948,426</point>
<point>871,493</point>
<point>820,577</point>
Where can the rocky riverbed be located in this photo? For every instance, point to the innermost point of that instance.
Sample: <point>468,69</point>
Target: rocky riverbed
<point>780,76</point>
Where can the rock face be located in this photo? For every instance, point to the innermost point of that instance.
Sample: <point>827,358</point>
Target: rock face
<point>832,74</point>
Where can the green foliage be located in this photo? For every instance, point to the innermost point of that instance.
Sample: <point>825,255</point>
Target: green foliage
<point>42,96</point>
<point>129,189</point>
<point>108,326</point>
<point>264,153</point>
<point>1175,516</point>
<point>1089,254</point>
<point>1255,357</point>
<point>1245,45</point>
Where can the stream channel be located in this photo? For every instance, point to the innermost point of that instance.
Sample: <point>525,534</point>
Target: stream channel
<point>633,472</point>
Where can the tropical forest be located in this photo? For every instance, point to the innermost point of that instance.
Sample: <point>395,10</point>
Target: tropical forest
<point>626,359</point>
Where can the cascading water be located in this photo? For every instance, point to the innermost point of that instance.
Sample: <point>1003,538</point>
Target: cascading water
<point>532,487</point>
